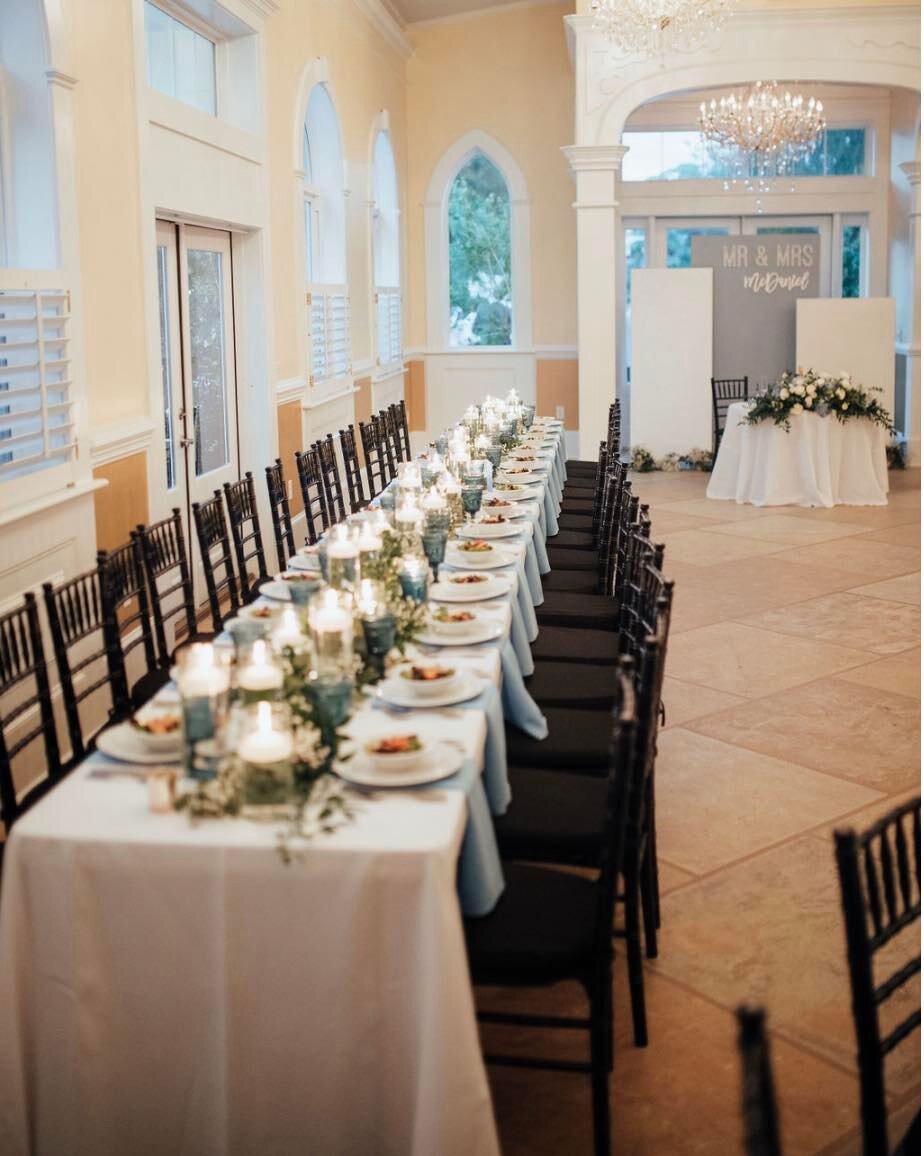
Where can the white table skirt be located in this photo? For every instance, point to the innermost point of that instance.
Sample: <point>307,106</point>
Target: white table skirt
<point>819,462</point>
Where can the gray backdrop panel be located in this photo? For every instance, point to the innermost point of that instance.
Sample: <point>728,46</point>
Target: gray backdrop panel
<point>756,284</point>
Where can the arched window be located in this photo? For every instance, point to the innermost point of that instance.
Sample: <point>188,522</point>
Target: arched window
<point>480,274</point>
<point>325,240</point>
<point>477,235</point>
<point>386,260</point>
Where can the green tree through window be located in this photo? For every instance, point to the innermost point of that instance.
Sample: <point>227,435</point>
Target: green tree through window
<point>480,291</point>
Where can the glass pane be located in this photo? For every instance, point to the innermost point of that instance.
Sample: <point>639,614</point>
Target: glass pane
<point>852,249</point>
<point>680,245</point>
<point>788,229</point>
<point>166,362</point>
<point>208,359</point>
<point>309,242</point>
<point>181,62</point>
<point>480,286</point>
<point>636,243</point>
<point>845,152</point>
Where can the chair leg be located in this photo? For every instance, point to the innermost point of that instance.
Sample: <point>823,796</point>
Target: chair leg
<point>649,893</point>
<point>634,959</point>
<point>600,1072</point>
<point>653,854</point>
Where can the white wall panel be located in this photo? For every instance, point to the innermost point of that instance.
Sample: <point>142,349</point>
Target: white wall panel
<point>854,335</point>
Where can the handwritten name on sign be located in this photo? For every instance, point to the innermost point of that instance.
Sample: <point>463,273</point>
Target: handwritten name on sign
<point>783,255</point>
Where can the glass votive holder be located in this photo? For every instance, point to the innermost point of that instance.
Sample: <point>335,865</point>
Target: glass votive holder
<point>245,632</point>
<point>494,453</point>
<point>434,544</point>
<point>260,680</point>
<point>471,499</point>
<point>303,586</point>
<point>343,557</point>
<point>412,574</point>
<point>388,498</point>
<point>330,623</point>
<point>265,750</point>
<point>203,680</point>
<point>332,696</point>
<point>289,632</point>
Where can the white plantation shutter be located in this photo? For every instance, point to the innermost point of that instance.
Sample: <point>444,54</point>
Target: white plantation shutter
<point>36,405</point>
<point>388,313</point>
<point>329,332</point>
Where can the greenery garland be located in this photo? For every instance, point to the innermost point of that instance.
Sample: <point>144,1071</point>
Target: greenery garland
<point>808,391</point>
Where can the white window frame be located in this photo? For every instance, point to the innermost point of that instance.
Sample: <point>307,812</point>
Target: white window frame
<point>327,315</point>
<point>436,224</point>
<point>190,19</point>
<point>387,298</point>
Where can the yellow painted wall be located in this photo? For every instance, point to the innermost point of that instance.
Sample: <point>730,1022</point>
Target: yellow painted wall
<point>507,73</point>
<point>122,504</point>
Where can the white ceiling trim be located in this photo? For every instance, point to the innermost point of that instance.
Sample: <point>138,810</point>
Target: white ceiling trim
<point>384,21</point>
<point>477,13</point>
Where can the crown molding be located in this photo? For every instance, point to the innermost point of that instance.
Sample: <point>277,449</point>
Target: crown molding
<point>262,8</point>
<point>595,158</point>
<point>384,22</point>
<point>478,13</point>
<point>912,170</point>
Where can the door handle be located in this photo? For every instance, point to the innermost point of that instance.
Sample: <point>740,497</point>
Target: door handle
<point>187,442</point>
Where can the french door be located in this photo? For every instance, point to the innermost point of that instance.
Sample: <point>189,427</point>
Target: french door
<point>197,365</point>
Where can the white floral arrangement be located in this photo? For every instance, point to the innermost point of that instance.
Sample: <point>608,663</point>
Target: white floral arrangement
<point>807,391</point>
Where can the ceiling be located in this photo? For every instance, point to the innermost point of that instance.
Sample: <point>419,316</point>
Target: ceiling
<point>413,10</point>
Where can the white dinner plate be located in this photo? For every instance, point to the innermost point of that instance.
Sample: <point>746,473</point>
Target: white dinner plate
<point>277,590</point>
<point>493,561</point>
<point>397,692</point>
<point>444,762</point>
<point>445,591</point>
<point>122,742</point>
<point>309,562</point>
<point>520,479</point>
<point>489,530</point>
<point>485,632</point>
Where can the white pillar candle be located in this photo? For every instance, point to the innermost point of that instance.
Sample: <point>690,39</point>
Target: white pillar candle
<point>261,673</point>
<point>200,676</point>
<point>266,744</point>
<point>289,631</point>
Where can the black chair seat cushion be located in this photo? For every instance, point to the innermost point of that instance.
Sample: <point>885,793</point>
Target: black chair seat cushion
<point>578,741</point>
<point>583,581</point>
<point>573,540</point>
<point>585,685</point>
<point>568,608</point>
<point>541,931</point>
<point>553,818</point>
<point>577,644</point>
<point>580,489</point>
<point>575,506</point>
<point>582,522</point>
<point>568,559</point>
<point>580,466</point>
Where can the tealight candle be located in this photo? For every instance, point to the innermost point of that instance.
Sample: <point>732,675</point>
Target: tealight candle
<point>433,502</point>
<point>342,557</point>
<point>289,632</point>
<point>262,678</point>
<point>370,540</point>
<point>267,743</point>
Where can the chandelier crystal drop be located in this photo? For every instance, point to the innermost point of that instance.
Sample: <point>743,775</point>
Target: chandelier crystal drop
<point>763,131</point>
<point>655,27</point>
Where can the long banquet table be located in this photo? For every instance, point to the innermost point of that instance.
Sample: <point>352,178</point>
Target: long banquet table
<point>174,988</point>
<point>819,461</point>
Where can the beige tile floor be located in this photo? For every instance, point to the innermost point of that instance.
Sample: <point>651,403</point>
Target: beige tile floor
<point>793,703</point>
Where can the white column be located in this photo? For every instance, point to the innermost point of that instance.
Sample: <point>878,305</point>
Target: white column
<point>912,170</point>
<point>597,170</point>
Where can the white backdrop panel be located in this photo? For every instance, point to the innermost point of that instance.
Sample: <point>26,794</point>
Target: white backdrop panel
<point>856,335</point>
<point>671,397</point>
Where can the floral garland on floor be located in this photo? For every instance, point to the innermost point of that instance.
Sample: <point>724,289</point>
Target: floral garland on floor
<point>643,461</point>
<point>821,393</point>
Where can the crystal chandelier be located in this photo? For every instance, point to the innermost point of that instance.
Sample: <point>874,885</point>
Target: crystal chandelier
<point>652,27</point>
<point>764,131</point>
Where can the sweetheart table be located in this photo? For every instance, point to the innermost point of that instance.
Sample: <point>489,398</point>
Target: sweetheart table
<point>820,461</point>
<point>175,988</point>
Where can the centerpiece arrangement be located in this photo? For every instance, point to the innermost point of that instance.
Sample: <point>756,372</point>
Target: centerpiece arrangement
<point>262,716</point>
<point>807,391</point>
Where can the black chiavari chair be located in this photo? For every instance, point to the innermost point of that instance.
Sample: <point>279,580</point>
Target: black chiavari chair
<point>330,479</point>
<point>582,474</point>
<point>393,434</point>
<point>374,452</point>
<point>127,609</point>
<point>217,562</point>
<point>386,443</point>
<point>725,391</point>
<point>758,1098</point>
<point>26,712</point>
<point>88,656</point>
<point>244,520</point>
<point>401,416</point>
<point>283,534</point>
<point>166,564</point>
<point>352,469</point>
<point>317,519</point>
<point>551,926</point>
<point>880,878</point>
<point>581,513</point>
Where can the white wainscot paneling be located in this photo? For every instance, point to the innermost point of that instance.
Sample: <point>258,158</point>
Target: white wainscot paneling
<point>457,380</point>
<point>53,542</point>
<point>856,336</point>
<point>319,418</point>
<point>671,396</point>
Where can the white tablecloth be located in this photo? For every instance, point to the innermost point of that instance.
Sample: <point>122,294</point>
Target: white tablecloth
<point>169,990</point>
<point>819,462</point>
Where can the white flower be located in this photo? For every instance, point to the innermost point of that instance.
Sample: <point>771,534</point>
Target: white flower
<point>797,408</point>
<point>784,393</point>
<point>809,402</point>
<point>844,406</point>
<point>811,389</point>
<point>840,392</point>
<point>845,377</point>
<point>798,380</point>
<point>799,390</point>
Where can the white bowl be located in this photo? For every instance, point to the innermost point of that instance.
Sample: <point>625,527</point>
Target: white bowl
<point>170,741</point>
<point>453,628</point>
<point>474,554</point>
<point>397,762</point>
<point>433,688</point>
